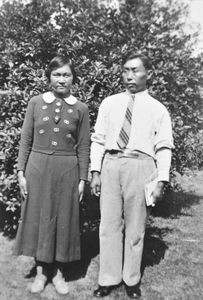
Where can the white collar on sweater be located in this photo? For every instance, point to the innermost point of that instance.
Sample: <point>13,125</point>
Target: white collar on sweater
<point>49,97</point>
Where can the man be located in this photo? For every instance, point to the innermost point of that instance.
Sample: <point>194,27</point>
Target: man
<point>131,147</point>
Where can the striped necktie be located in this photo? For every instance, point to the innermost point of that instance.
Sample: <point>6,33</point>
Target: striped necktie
<point>124,134</point>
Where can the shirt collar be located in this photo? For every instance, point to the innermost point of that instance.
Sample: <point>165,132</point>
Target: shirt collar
<point>138,94</point>
<point>49,97</point>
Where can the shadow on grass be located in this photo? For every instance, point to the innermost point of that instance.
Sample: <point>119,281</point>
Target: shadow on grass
<point>154,246</point>
<point>175,204</point>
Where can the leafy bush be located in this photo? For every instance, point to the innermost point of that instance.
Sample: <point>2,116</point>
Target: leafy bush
<point>96,36</point>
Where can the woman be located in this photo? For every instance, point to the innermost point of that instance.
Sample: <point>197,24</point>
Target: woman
<point>52,170</point>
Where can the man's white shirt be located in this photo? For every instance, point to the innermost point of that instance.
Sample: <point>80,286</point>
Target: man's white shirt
<point>151,130</point>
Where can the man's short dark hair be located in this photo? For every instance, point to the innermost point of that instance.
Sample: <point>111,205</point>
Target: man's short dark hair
<point>132,54</point>
<point>58,62</point>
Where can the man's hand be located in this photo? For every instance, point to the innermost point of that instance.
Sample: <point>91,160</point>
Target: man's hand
<point>95,184</point>
<point>22,184</point>
<point>81,189</point>
<point>159,191</point>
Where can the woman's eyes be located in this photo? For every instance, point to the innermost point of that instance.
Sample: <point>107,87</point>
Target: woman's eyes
<point>59,75</point>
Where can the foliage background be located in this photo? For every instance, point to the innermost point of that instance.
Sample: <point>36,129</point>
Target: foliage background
<point>96,36</point>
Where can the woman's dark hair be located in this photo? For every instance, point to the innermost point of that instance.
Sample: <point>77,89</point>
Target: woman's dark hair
<point>132,54</point>
<point>58,62</point>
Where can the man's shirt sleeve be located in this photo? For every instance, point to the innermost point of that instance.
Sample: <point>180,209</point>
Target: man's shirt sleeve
<point>163,146</point>
<point>98,139</point>
<point>163,161</point>
<point>164,137</point>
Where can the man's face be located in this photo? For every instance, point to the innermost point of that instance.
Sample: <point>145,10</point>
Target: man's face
<point>134,75</point>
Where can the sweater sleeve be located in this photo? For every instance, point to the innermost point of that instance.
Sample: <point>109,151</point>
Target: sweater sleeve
<point>83,144</point>
<point>26,137</point>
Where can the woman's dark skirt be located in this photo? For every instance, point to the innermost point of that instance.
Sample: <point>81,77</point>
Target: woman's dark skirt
<point>49,224</point>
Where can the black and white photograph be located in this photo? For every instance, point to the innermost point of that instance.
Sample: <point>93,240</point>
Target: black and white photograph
<point>101,149</point>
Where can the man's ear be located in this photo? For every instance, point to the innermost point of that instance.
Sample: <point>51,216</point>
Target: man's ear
<point>149,74</point>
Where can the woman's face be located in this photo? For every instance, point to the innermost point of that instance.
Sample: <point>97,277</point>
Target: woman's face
<point>61,80</point>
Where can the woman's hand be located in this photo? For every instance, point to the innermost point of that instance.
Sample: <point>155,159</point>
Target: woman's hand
<point>81,189</point>
<point>22,184</point>
<point>159,191</point>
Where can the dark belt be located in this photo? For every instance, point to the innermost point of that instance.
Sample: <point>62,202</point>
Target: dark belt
<point>130,154</point>
<point>113,151</point>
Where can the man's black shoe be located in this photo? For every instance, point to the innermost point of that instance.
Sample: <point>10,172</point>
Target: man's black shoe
<point>133,292</point>
<point>102,291</point>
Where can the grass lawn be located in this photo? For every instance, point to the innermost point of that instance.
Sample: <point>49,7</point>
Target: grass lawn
<point>172,260</point>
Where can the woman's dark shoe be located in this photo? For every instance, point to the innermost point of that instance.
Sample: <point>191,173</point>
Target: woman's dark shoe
<point>134,291</point>
<point>102,291</point>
